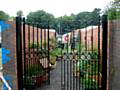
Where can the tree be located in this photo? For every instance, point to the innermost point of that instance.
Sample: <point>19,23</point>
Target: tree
<point>64,23</point>
<point>41,18</point>
<point>4,16</point>
<point>83,19</point>
<point>19,13</point>
<point>95,16</point>
<point>113,10</point>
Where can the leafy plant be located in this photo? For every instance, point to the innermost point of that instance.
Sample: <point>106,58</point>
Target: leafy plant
<point>88,69</point>
<point>89,83</point>
<point>55,52</point>
<point>36,69</point>
<point>34,45</point>
<point>30,81</point>
<point>53,60</point>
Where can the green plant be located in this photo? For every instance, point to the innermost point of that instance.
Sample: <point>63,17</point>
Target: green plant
<point>43,53</point>
<point>55,52</point>
<point>35,69</point>
<point>89,83</point>
<point>79,46</point>
<point>34,45</point>
<point>88,69</point>
<point>29,81</point>
<point>53,60</point>
<point>94,54</point>
<point>52,43</point>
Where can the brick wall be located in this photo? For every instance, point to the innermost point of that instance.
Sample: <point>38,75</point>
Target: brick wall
<point>88,37</point>
<point>114,53</point>
<point>27,29</point>
<point>9,68</point>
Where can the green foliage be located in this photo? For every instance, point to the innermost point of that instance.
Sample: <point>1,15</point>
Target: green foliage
<point>30,81</point>
<point>53,60</point>
<point>42,51</point>
<point>52,43</point>
<point>19,13</point>
<point>36,69</point>
<point>55,52</point>
<point>79,46</point>
<point>34,45</point>
<point>80,20</point>
<point>89,69</point>
<point>113,10</point>
<point>67,23</point>
<point>33,70</point>
<point>53,55</point>
<point>90,84</point>
<point>41,17</point>
<point>4,16</point>
<point>95,15</point>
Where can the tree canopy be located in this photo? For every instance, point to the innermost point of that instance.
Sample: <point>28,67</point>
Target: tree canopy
<point>113,10</point>
<point>19,13</point>
<point>40,17</point>
<point>4,16</point>
<point>67,23</point>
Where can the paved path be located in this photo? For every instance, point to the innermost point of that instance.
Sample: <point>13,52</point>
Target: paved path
<point>55,79</point>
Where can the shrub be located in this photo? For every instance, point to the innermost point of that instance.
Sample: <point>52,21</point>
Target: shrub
<point>34,45</point>
<point>88,70</point>
<point>53,60</point>
<point>36,69</point>
<point>90,83</point>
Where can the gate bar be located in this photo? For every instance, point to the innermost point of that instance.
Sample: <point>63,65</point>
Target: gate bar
<point>99,43</point>
<point>104,51</point>
<point>24,50</point>
<point>48,54</point>
<point>19,53</point>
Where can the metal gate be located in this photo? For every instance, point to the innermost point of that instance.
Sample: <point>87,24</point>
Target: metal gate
<point>84,58</point>
<point>32,43</point>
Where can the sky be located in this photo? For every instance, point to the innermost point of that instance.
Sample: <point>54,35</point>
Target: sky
<point>55,7</point>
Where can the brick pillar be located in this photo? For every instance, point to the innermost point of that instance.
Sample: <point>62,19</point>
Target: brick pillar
<point>9,55</point>
<point>114,72</point>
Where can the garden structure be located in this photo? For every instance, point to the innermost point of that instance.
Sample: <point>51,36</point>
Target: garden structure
<point>45,64</point>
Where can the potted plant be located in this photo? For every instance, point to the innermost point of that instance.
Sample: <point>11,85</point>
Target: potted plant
<point>53,58</point>
<point>37,73</point>
<point>53,62</point>
<point>30,83</point>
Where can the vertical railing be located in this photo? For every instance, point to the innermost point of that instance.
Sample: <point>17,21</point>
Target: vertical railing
<point>104,51</point>
<point>89,57</point>
<point>19,52</point>
<point>28,54</point>
<point>99,43</point>
<point>48,57</point>
<point>79,53</point>
<point>24,51</point>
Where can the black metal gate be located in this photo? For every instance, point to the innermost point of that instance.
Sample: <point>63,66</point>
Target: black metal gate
<point>84,61</point>
<point>32,43</point>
